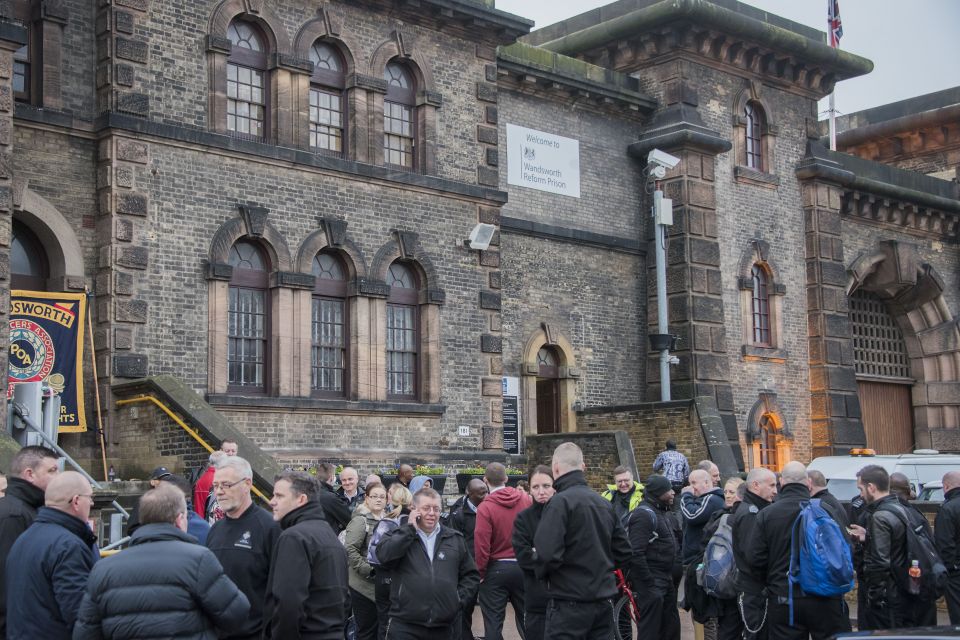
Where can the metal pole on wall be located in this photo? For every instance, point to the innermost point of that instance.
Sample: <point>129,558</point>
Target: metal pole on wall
<point>96,390</point>
<point>660,237</point>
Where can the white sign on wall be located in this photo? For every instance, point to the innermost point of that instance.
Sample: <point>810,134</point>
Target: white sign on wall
<point>543,161</point>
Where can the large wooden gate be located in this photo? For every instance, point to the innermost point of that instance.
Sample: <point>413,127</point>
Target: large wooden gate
<point>887,416</point>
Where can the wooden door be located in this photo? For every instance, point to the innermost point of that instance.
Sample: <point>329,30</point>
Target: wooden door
<point>548,406</point>
<point>887,416</point>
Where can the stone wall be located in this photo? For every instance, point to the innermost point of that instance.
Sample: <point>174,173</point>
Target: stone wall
<point>603,451</point>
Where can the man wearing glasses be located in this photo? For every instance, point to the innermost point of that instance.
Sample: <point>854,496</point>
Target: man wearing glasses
<point>49,565</point>
<point>432,574</point>
<point>243,541</point>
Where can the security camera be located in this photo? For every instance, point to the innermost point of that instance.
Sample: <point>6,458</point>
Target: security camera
<point>660,162</point>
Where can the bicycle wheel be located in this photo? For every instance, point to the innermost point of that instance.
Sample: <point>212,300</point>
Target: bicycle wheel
<point>625,621</point>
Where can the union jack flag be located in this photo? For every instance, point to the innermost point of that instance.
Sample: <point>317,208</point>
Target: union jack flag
<point>833,18</point>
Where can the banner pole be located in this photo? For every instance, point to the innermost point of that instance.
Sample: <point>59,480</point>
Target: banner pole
<point>96,388</point>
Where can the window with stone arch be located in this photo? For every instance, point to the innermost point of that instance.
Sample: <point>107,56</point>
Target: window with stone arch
<point>767,449</point>
<point>399,109</point>
<point>330,330</point>
<point>248,319</point>
<point>753,140</point>
<point>247,80</point>
<point>760,306</point>
<point>29,265</point>
<point>403,336</point>
<point>327,113</point>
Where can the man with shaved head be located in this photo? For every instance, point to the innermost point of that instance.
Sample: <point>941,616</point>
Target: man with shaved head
<point>769,564</point>
<point>817,485</point>
<point>50,563</point>
<point>947,536</point>
<point>761,489</point>
<point>699,501</point>
<point>579,543</point>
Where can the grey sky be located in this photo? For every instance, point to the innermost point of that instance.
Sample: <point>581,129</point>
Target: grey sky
<point>913,45</point>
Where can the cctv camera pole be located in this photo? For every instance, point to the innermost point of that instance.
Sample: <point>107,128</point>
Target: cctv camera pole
<point>660,233</point>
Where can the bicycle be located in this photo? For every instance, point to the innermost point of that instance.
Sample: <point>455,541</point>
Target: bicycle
<point>626,613</point>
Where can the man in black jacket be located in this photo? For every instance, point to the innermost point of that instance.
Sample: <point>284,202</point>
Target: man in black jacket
<point>307,592</point>
<point>335,509</point>
<point>769,563</point>
<point>654,552</point>
<point>947,535</point>
<point>464,519</point>
<point>884,543</point>
<point>164,585</point>
<point>761,489</point>
<point>817,483</point>
<point>579,543</point>
<point>243,540</point>
<point>432,574</point>
<point>49,565</point>
<point>917,611</point>
<point>31,470</point>
<point>698,502</point>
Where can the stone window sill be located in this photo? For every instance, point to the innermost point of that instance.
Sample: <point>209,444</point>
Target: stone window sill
<point>764,354</point>
<point>746,175</point>
<point>229,401</point>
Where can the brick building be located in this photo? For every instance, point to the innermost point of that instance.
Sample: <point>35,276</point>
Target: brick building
<point>268,201</point>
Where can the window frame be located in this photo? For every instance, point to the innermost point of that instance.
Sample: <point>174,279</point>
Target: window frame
<point>21,233</point>
<point>760,311</point>
<point>754,129</point>
<point>331,290</point>
<point>254,61</point>
<point>406,298</point>
<point>331,83</point>
<point>256,280</point>
<point>405,99</point>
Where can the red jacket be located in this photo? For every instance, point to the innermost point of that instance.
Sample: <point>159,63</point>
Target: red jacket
<point>493,537</point>
<point>201,491</point>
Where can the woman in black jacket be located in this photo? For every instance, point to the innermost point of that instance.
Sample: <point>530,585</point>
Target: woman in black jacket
<point>524,528</point>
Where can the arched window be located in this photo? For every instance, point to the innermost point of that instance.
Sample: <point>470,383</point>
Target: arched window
<point>403,337</point>
<point>761,307</point>
<point>247,80</point>
<point>753,143</point>
<point>768,453</point>
<point>399,130</point>
<point>329,327</point>
<point>326,98</point>
<point>248,320</point>
<point>29,266</point>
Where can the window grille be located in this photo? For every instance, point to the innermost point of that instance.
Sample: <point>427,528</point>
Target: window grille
<point>878,346</point>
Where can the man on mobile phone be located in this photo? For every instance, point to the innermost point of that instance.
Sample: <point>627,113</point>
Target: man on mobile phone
<point>432,574</point>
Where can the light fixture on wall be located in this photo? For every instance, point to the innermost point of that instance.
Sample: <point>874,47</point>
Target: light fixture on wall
<point>480,237</point>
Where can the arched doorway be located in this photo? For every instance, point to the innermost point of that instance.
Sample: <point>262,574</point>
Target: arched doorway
<point>29,265</point>
<point>768,435</point>
<point>548,390</point>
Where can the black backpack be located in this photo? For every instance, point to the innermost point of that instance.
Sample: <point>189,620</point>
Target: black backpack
<point>933,573</point>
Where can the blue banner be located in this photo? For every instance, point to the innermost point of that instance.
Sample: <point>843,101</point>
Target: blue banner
<point>46,345</point>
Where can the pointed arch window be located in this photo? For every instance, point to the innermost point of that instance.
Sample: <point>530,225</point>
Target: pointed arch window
<point>247,81</point>
<point>328,360</point>
<point>399,130</point>
<point>326,99</point>
<point>403,337</point>
<point>753,143</point>
<point>761,306</point>
<point>248,320</point>
<point>768,451</point>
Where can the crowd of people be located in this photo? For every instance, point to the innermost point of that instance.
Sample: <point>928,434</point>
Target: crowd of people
<point>374,562</point>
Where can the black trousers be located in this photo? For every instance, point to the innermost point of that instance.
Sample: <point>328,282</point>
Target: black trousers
<point>814,617</point>
<point>953,597</point>
<point>729,624</point>
<point>572,620</point>
<point>753,616</point>
<point>534,624</point>
<point>659,616</point>
<point>365,615</point>
<point>382,591</point>
<point>502,583</point>
<point>400,630</point>
<point>466,619</point>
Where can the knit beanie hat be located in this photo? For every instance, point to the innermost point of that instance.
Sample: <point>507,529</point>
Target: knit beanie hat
<point>656,486</point>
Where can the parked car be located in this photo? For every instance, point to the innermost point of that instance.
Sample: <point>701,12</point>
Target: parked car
<point>922,467</point>
<point>932,492</point>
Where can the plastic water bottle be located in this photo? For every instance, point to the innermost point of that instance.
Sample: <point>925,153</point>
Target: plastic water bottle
<point>914,573</point>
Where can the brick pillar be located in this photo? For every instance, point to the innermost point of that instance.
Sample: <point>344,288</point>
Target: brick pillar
<point>12,37</point>
<point>491,340</point>
<point>834,405</point>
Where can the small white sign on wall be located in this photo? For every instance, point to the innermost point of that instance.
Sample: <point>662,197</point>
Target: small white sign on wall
<point>543,161</point>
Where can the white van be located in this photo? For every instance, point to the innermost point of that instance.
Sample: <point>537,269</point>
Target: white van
<point>921,466</point>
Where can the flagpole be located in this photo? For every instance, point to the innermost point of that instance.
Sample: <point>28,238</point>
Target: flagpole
<point>833,106</point>
<point>96,389</point>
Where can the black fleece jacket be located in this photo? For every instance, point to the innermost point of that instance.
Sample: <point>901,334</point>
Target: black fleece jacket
<point>307,593</point>
<point>654,545</point>
<point>524,528</point>
<point>947,531</point>
<point>742,525</point>
<point>18,509</point>
<point>580,542</point>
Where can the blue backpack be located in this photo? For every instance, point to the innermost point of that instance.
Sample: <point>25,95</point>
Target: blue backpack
<point>823,564</point>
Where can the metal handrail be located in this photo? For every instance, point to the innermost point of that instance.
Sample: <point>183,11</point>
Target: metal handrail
<point>183,425</point>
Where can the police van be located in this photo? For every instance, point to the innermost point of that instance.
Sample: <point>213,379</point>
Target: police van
<point>921,466</point>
